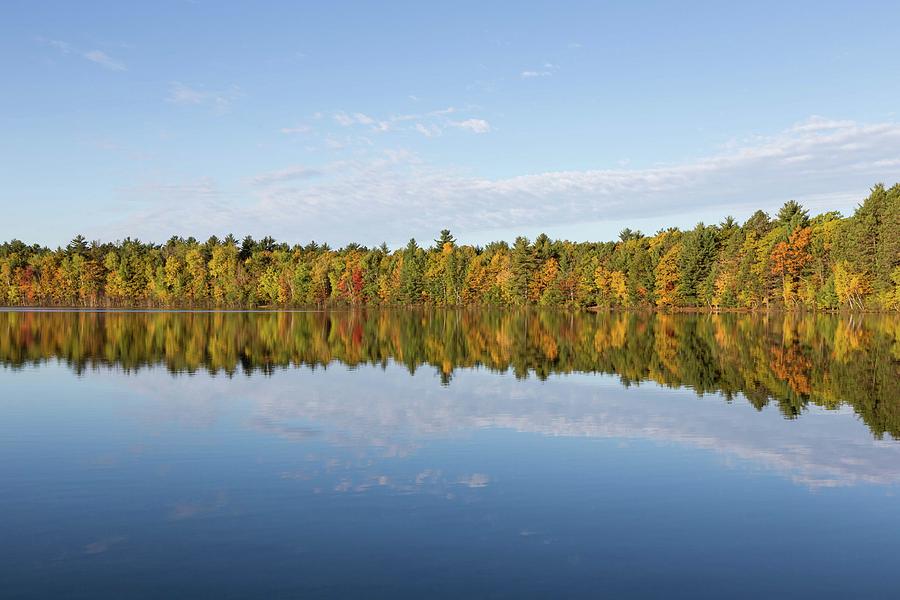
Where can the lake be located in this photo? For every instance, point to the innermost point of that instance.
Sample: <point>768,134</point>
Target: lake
<point>465,453</point>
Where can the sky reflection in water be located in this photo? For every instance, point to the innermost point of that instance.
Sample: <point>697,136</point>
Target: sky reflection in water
<point>374,480</point>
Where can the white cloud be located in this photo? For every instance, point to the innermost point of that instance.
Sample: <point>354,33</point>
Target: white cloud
<point>200,205</point>
<point>428,130</point>
<point>816,123</point>
<point>392,196</point>
<point>298,129</point>
<point>104,60</point>
<point>441,112</point>
<point>546,70</point>
<point>444,111</point>
<point>95,56</point>
<point>831,166</point>
<point>429,124</point>
<point>343,119</point>
<point>182,94</point>
<point>473,125</point>
<point>287,174</point>
<point>347,120</point>
<point>63,47</point>
<point>219,101</point>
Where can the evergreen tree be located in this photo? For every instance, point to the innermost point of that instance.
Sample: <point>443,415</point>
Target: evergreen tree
<point>444,239</point>
<point>78,246</point>
<point>411,284</point>
<point>696,259</point>
<point>792,216</point>
<point>522,267</point>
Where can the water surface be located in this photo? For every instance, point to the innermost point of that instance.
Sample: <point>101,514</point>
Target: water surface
<point>453,453</point>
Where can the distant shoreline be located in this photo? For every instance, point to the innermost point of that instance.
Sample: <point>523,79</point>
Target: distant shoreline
<point>791,261</point>
<point>427,307</point>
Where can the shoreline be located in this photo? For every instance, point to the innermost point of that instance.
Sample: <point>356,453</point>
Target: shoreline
<point>363,307</point>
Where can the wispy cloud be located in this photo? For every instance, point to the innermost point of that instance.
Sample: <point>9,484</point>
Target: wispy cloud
<point>286,174</point>
<point>343,119</point>
<point>63,47</point>
<point>820,124</point>
<point>104,60</point>
<point>546,70</point>
<point>200,204</point>
<point>404,194</point>
<point>95,56</point>
<point>473,125</point>
<point>297,129</point>
<point>347,120</point>
<point>823,163</point>
<point>429,124</point>
<point>428,130</point>
<point>219,101</point>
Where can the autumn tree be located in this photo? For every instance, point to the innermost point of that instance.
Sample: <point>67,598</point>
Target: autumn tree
<point>788,260</point>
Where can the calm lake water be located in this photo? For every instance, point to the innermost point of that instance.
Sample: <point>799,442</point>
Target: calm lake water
<point>457,453</point>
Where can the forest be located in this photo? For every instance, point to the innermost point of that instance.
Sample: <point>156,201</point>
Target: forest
<point>787,261</point>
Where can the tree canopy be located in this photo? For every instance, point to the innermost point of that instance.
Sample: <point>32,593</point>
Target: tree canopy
<point>792,261</point>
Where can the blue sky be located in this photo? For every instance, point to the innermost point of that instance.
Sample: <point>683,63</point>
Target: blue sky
<point>370,122</point>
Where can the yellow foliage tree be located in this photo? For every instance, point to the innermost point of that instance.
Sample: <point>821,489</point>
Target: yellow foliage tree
<point>850,287</point>
<point>667,277</point>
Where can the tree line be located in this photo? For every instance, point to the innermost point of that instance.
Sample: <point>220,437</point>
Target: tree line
<point>790,261</point>
<point>790,358</point>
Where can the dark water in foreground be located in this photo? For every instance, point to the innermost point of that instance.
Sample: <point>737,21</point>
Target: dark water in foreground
<point>423,454</point>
